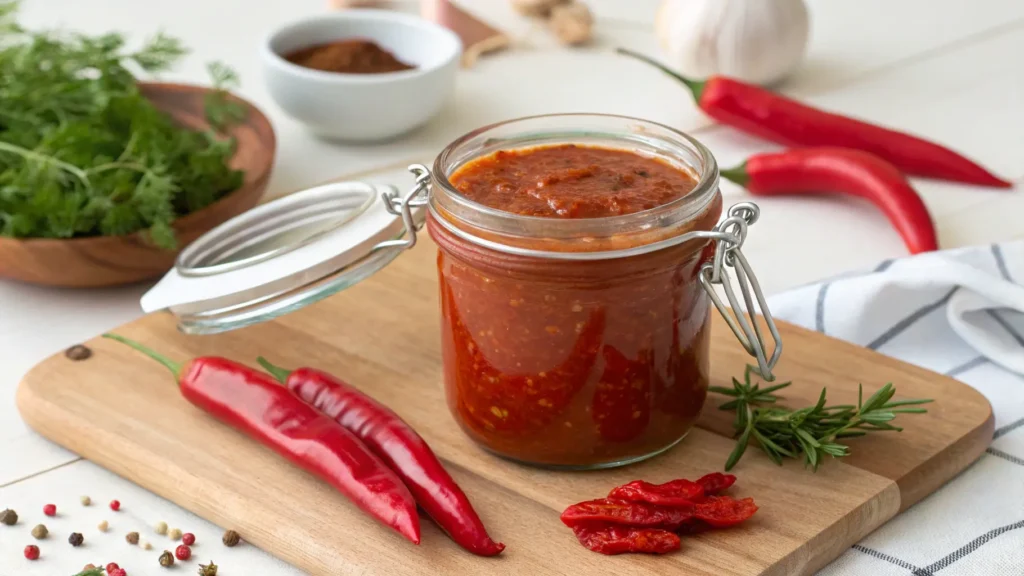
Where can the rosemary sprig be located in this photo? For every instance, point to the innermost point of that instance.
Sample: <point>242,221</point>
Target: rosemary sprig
<point>809,433</point>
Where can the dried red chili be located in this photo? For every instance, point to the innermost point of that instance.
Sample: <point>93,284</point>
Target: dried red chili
<point>636,514</point>
<point>723,511</point>
<point>716,482</point>
<point>675,493</point>
<point>616,539</point>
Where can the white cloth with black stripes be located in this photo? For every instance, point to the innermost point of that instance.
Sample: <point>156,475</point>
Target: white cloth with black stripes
<point>961,313</point>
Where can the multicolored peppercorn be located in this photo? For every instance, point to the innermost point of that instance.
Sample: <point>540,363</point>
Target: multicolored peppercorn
<point>182,552</point>
<point>174,534</point>
<point>231,538</point>
<point>103,526</point>
<point>119,572</point>
<point>188,538</point>
<point>111,567</point>
<point>85,500</point>
<point>32,552</point>
<point>161,528</point>
<point>9,517</point>
<point>50,509</point>
<point>40,532</point>
<point>76,539</point>
<point>208,569</point>
<point>132,538</point>
<point>167,559</point>
<point>115,505</point>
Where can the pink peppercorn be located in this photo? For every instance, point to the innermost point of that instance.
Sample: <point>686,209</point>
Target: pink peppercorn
<point>183,552</point>
<point>188,538</point>
<point>50,509</point>
<point>115,505</point>
<point>119,572</point>
<point>111,567</point>
<point>32,552</point>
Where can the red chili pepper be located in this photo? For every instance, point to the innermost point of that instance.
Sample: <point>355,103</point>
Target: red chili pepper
<point>723,511</point>
<point>251,402</point>
<point>781,119</point>
<point>616,539</point>
<point>716,482</point>
<point>675,493</point>
<point>397,444</point>
<point>852,172</point>
<point>637,514</point>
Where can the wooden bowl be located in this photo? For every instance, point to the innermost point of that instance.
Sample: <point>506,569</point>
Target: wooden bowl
<point>113,260</point>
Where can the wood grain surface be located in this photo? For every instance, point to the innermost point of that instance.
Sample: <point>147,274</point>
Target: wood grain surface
<point>114,260</point>
<point>123,412</point>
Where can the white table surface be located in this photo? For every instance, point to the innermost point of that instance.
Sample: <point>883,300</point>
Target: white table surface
<point>945,69</point>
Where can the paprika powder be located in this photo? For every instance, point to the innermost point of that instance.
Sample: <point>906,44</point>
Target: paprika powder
<point>350,56</point>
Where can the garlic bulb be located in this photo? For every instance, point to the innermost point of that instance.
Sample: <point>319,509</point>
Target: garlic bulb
<point>759,41</point>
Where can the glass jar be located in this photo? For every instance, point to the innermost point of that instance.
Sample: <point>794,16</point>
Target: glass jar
<point>575,343</point>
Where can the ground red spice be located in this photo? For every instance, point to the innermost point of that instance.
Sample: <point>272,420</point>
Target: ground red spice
<point>352,56</point>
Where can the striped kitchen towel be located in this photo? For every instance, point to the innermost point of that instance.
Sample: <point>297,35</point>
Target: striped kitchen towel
<point>961,313</point>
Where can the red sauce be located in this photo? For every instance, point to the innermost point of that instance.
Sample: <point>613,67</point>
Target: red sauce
<point>573,363</point>
<point>571,181</point>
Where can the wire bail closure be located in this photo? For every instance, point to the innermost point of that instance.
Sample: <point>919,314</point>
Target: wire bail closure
<point>729,238</point>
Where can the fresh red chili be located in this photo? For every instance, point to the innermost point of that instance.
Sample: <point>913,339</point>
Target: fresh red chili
<point>251,402</point>
<point>618,539</point>
<point>637,514</point>
<point>395,442</point>
<point>778,118</point>
<point>852,172</point>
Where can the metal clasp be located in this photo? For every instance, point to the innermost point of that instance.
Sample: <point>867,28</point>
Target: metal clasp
<point>418,197</point>
<point>729,238</point>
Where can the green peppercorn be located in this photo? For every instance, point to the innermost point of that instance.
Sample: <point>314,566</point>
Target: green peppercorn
<point>167,559</point>
<point>9,517</point>
<point>39,532</point>
<point>208,569</point>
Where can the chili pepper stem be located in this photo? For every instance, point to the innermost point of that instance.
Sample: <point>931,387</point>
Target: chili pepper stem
<point>174,367</point>
<point>736,175</point>
<point>695,86</point>
<point>280,374</point>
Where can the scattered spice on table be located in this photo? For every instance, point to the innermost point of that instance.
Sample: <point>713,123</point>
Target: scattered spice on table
<point>167,559</point>
<point>9,517</point>
<point>40,532</point>
<point>146,545</point>
<point>641,517</point>
<point>399,446</point>
<point>174,534</point>
<point>188,538</point>
<point>115,505</point>
<point>810,433</point>
<point>103,526</point>
<point>820,171</point>
<point>775,117</point>
<point>161,528</point>
<point>208,569</point>
<point>78,353</point>
<point>32,552</point>
<point>76,539</point>
<point>183,552</point>
<point>251,402</point>
<point>50,509</point>
<point>132,538</point>
<point>85,500</point>
<point>230,538</point>
<point>349,56</point>
<point>111,567</point>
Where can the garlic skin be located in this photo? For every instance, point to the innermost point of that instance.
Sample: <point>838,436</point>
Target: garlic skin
<point>758,41</point>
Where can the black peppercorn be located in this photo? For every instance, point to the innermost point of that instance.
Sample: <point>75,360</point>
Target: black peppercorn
<point>9,517</point>
<point>167,559</point>
<point>132,538</point>
<point>75,539</point>
<point>78,352</point>
<point>231,538</point>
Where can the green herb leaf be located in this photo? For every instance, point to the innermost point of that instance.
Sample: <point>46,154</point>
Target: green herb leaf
<point>809,433</point>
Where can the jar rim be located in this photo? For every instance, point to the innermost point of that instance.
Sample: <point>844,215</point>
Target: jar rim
<point>683,209</point>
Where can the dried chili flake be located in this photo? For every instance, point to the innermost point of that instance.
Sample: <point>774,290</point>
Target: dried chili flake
<point>675,493</point>
<point>637,514</point>
<point>616,539</point>
<point>723,511</point>
<point>716,482</point>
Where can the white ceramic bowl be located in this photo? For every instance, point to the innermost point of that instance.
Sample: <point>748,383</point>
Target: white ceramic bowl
<point>363,107</point>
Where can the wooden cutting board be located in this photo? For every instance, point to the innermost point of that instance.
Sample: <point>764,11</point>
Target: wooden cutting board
<point>123,412</point>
